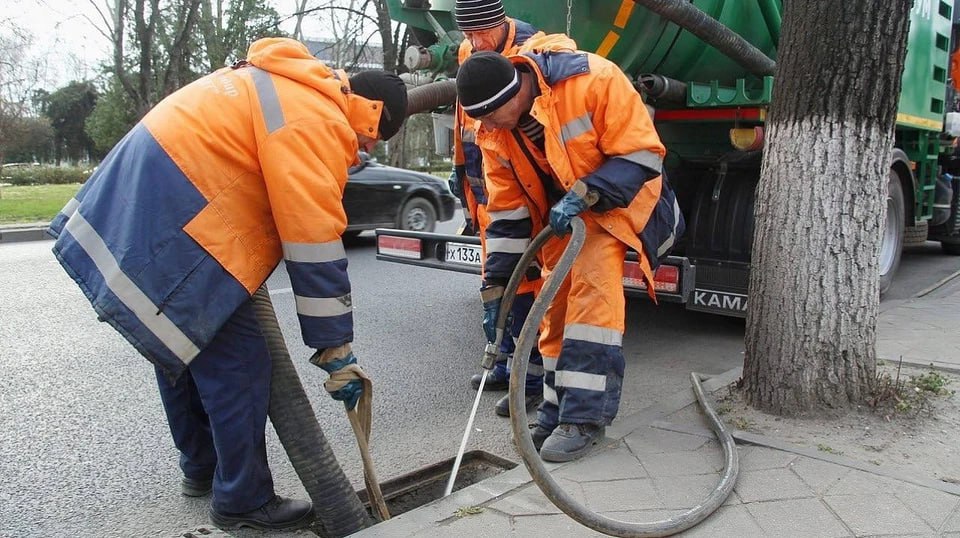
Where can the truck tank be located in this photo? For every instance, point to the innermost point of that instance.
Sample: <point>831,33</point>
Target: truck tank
<point>638,40</point>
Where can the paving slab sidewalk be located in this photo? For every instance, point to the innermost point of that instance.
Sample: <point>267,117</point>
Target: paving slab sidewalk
<point>650,468</point>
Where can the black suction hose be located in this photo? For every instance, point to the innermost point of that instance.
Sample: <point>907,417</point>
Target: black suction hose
<point>686,15</point>
<point>339,510</point>
<point>430,96</point>
<point>662,88</point>
<point>518,412</point>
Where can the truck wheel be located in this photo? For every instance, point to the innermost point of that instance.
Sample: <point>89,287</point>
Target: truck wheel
<point>891,246</point>
<point>418,215</point>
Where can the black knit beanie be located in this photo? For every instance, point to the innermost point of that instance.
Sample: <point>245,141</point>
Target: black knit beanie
<point>380,85</point>
<point>485,82</point>
<point>475,15</point>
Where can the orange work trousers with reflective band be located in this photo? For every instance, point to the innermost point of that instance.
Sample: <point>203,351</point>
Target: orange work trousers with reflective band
<point>582,333</point>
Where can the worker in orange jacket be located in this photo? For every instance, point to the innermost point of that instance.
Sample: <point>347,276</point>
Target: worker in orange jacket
<point>558,131</point>
<point>186,218</point>
<point>487,28</point>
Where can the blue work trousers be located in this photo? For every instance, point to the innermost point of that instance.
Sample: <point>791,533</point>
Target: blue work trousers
<point>217,411</point>
<point>519,311</point>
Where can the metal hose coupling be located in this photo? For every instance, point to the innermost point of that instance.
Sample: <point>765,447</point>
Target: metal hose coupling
<point>491,352</point>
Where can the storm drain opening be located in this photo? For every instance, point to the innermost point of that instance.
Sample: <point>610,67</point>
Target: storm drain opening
<point>425,485</point>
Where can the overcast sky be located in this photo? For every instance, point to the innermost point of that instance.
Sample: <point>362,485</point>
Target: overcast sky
<point>71,44</point>
<point>66,37</point>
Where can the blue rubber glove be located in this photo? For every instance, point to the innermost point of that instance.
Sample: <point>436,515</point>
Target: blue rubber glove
<point>562,213</point>
<point>350,392</point>
<point>491,296</point>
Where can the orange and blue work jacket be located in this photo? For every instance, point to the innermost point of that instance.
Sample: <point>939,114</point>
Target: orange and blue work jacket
<point>195,207</point>
<point>596,129</point>
<point>467,163</point>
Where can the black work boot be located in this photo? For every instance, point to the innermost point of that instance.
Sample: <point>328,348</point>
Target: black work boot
<point>277,514</point>
<point>503,404</point>
<point>196,487</point>
<point>570,441</point>
<point>494,381</point>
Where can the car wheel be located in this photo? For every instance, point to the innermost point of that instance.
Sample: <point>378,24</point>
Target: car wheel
<point>417,215</point>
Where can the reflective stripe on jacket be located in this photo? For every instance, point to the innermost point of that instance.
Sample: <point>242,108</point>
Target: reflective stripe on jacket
<point>593,119</point>
<point>196,206</point>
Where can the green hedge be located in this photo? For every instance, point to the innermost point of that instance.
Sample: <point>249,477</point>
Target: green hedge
<point>44,175</point>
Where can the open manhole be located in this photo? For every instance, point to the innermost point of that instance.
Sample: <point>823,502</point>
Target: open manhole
<point>425,485</point>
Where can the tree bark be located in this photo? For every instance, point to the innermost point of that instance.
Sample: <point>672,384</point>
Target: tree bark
<point>814,292</point>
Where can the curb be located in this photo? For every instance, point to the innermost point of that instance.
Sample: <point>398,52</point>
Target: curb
<point>15,234</point>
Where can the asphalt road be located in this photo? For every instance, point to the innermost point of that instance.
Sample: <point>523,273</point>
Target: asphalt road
<point>84,447</point>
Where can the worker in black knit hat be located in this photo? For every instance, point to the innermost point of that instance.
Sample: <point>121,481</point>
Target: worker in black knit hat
<point>380,85</point>
<point>486,28</point>
<point>187,217</point>
<point>486,82</point>
<point>565,135</point>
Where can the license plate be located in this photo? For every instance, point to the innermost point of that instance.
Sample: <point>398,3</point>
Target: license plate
<point>463,254</point>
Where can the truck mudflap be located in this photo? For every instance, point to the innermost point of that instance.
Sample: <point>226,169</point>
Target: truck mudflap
<point>720,288</point>
<point>673,280</point>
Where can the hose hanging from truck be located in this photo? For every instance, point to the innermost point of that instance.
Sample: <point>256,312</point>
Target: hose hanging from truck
<point>432,95</point>
<point>518,415</point>
<point>339,510</point>
<point>687,16</point>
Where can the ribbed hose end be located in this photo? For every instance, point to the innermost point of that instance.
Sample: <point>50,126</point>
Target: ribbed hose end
<point>338,509</point>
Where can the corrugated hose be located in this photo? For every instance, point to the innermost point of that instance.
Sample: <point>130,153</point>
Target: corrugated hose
<point>518,414</point>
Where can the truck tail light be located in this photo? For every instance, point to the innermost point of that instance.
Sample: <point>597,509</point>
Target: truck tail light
<point>666,278</point>
<point>400,247</point>
<point>747,139</point>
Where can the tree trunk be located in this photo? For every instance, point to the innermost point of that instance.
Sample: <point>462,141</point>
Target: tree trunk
<point>387,38</point>
<point>299,14</point>
<point>814,292</point>
<point>397,153</point>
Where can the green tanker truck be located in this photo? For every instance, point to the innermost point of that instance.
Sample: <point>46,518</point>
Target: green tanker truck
<point>710,101</point>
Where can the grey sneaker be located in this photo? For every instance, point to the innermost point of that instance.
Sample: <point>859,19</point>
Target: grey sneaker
<point>570,441</point>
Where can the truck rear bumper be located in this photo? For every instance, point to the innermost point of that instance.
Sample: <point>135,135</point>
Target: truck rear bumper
<point>674,278</point>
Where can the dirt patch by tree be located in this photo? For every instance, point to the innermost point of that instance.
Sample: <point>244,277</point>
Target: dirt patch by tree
<point>911,425</point>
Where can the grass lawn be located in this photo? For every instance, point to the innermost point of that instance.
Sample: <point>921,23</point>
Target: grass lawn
<point>33,203</point>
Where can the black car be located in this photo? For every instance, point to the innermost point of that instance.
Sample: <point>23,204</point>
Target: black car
<point>380,196</point>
